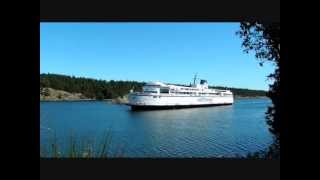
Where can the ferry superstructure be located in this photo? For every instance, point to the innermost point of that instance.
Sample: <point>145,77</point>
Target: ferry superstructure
<point>158,95</point>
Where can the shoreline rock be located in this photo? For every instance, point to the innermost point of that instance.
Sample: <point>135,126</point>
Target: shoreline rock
<point>50,94</point>
<point>121,100</point>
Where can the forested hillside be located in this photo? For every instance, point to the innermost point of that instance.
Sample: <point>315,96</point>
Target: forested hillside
<point>91,88</point>
<point>101,89</point>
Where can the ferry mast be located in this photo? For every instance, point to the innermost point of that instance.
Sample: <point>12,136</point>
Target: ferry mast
<point>194,80</point>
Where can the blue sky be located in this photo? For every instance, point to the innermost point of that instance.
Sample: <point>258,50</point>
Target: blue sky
<point>167,52</point>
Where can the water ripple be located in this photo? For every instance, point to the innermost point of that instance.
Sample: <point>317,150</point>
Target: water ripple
<point>195,132</point>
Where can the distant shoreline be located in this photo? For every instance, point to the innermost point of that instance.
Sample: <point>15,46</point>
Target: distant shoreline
<point>54,95</point>
<point>113,100</point>
<point>60,87</point>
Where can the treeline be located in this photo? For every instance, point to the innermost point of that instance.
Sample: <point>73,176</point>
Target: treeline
<point>101,89</point>
<point>243,92</point>
<point>90,88</point>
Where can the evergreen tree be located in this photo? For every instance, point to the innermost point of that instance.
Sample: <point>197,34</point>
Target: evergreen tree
<point>264,40</point>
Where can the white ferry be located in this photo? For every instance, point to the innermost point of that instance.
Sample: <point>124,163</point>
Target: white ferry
<point>158,95</point>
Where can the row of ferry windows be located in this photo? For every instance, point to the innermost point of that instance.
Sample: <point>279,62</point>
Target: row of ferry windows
<point>167,91</point>
<point>188,89</point>
<point>195,93</point>
<point>201,93</point>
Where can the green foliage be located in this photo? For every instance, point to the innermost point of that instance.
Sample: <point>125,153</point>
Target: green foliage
<point>264,40</point>
<point>81,148</point>
<point>242,92</point>
<point>90,88</point>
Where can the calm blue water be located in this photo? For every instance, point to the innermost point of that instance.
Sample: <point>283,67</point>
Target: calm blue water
<point>194,132</point>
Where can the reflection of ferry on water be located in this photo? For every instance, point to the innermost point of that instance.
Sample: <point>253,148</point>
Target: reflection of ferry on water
<point>157,95</point>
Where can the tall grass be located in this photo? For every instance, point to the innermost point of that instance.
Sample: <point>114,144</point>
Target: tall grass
<point>81,148</point>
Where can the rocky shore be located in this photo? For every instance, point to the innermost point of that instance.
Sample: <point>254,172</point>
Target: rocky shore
<point>121,100</point>
<point>49,94</point>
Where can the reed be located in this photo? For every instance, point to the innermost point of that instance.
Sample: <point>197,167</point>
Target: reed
<point>81,148</point>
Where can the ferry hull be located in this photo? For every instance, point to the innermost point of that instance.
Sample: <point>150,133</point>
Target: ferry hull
<point>146,102</point>
<point>151,107</point>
